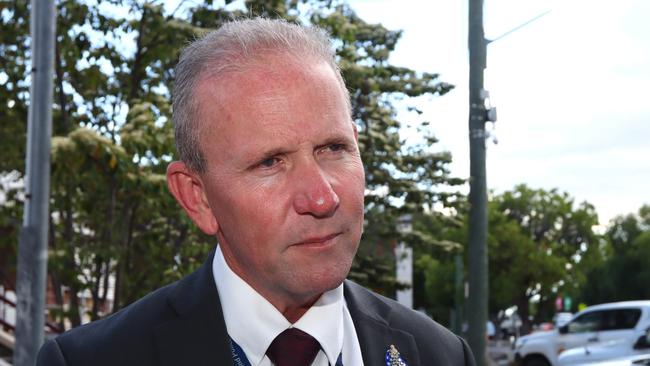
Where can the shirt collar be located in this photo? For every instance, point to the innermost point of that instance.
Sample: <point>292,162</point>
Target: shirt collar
<point>253,322</point>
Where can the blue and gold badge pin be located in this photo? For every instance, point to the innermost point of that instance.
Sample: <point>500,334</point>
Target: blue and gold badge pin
<point>393,357</point>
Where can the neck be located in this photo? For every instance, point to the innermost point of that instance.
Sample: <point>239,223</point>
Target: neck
<point>292,306</point>
<point>294,312</point>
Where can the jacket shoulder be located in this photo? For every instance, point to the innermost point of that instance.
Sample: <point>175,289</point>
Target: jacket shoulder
<point>434,341</point>
<point>126,333</point>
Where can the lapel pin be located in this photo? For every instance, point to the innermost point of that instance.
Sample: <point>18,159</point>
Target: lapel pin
<point>393,357</point>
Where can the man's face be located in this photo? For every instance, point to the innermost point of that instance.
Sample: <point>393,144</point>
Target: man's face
<point>284,178</point>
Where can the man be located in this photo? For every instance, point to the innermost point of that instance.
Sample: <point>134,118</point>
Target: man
<point>270,166</point>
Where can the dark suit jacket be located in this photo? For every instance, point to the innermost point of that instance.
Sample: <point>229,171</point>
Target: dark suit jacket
<point>182,324</point>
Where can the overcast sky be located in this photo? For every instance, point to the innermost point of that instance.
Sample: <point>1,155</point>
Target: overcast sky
<point>571,90</point>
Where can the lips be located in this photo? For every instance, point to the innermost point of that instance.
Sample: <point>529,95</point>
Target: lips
<point>317,240</point>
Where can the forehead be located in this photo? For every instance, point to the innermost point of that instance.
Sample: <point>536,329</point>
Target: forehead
<point>267,81</point>
<point>278,97</point>
<point>273,75</point>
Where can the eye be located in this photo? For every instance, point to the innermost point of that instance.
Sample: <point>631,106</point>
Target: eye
<point>268,162</point>
<point>334,148</point>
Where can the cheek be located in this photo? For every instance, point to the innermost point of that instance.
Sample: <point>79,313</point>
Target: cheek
<point>252,210</point>
<point>352,180</point>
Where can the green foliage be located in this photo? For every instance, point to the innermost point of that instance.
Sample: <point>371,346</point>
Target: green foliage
<point>434,269</point>
<point>375,275</point>
<point>540,244</point>
<point>436,278</point>
<point>14,39</point>
<point>10,218</point>
<point>625,273</point>
<point>111,215</point>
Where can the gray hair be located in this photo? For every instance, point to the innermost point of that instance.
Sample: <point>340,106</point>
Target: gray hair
<point>227,50</point>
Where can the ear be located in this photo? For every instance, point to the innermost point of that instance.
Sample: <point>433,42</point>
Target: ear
<point>187,187</point>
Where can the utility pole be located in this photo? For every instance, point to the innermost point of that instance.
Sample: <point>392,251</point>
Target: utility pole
<point>479,114</point>
<point>32,248</point>
<point>477,253</point>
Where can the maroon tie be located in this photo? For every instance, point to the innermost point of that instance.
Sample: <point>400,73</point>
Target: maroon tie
<point>293,347</point>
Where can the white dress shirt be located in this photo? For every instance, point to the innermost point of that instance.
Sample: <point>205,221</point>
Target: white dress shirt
<point>253,322</point>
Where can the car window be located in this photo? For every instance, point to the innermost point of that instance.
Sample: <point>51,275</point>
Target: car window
<point>620,319</point>
<point>587,322</point>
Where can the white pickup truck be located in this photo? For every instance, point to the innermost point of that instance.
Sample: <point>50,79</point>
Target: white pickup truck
<point>607,351</point>
<point>595,325</point>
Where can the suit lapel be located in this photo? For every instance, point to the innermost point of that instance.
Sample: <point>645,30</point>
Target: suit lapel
<point>373,332</point>
<point>197,336</point>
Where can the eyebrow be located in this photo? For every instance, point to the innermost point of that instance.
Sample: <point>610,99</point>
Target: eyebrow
<point>258,156</point>
<point>338,139</point>
<point>335,138</point>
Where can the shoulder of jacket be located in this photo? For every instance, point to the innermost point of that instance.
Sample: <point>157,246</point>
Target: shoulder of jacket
<point>119,333</point>
<point>398,316</point>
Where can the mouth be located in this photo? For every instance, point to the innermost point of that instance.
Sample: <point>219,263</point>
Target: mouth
<point>317,241</point>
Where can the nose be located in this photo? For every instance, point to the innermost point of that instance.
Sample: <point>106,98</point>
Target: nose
<point>314,195</point>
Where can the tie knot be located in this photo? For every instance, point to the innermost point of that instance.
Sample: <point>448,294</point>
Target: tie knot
<point>293,347</point>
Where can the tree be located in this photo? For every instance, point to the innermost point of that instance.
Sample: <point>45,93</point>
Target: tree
<point>625,272</point>
<point>434,269</point>
<point>110,213</point>
<point>541,244</point>
<point>111,217</point>
<point>14,38</point>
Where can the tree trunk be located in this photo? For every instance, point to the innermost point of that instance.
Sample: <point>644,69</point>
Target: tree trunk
<point>75,315</point>
<point>523,310</point>
<point>57,288</point>
<point>136,72</point>
<point>124,262</point>
<point>68,232</point>
<point>94,312</point>
<point>104,295</point>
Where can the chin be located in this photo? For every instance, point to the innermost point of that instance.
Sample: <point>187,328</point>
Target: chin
<point>328,278</point>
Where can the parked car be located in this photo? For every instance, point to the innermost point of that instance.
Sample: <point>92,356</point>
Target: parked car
<point>613,350</point>
<point>638,360</point>
<point>596,324</point>
<point>560,319</point>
